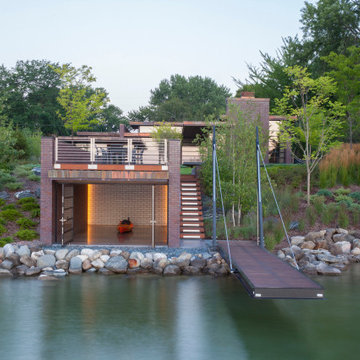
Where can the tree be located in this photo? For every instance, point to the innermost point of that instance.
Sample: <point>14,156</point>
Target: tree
<point>29,91</point>
<point>112,118</point>
<point>81,104</point>
<point>313,120</point>
<point>166,131</point>
<point>235,142</point>
<point>180,99</point>
<point>346,72</point>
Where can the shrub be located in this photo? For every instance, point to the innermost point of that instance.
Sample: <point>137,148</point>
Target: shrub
<point>292,175</point>
<point>21,171</point>
<point>343,199</point>
<point>2,229</point>
<point>30,206</point>
<point>6,240</point>
<point>342,191</point>
<point>325,192</point>
<point>2,221</point>
<point>34,177</point>
<point>274,238</point>
<point>26,235</point>
<point>329,213</point>
<point>26,200</point>
<point>311,215</point>
<point>10,214</point>
<point>355,195</point>
<point>318,202</point>
<point>26,223</point>
<point>5,177</point>
<point>14,186</point>
<point>35,213</point>
<point>9,206</point>
<point>2,202</point>
<point>355,214</point>
<point>343,217</point>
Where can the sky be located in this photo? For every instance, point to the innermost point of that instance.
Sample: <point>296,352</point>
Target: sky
<point>134,44</point>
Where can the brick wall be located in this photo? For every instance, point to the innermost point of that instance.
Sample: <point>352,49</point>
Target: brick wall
<point>108,204</point>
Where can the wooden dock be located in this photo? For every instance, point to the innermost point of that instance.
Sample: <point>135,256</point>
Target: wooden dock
<point>266,276</point>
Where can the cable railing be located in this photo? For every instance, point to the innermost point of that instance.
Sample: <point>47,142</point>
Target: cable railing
<point>131,151</point>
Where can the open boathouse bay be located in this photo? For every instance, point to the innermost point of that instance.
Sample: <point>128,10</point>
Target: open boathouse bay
<point>152,317</point>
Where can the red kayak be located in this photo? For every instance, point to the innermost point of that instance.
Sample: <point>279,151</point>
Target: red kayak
<point>125,226</point>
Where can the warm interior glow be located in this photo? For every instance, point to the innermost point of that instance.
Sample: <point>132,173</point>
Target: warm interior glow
<point>90,188</point>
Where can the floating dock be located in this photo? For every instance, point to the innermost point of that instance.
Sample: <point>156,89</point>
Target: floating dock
<point>265,276</point>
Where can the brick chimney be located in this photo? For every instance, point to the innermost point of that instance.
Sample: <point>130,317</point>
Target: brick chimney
<point>247,94</point>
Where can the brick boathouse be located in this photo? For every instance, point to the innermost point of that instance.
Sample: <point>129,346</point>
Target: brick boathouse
<point>90,183</point>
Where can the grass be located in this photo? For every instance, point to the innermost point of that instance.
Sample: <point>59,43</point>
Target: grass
<point>185,170</point>
<point>10,214</point>
<point>26,223</point>
<point>26,234</point>
<point>6,240</point>
<point>13,186</point>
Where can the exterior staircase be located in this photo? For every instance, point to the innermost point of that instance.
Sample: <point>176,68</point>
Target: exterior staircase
<point>191,221</point>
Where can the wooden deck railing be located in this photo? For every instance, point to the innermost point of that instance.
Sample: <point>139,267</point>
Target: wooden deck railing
<point>131,151</point>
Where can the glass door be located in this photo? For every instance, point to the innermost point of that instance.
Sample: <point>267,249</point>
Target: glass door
<point>67,213</point>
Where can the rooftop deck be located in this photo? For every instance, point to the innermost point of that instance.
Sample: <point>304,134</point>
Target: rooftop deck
<point>266,276</point>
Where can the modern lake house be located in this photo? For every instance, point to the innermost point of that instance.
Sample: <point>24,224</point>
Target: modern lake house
<point>93,181</point>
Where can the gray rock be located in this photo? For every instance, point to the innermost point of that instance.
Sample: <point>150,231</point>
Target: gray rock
<point>49,252</point>
<point>38,192</point>
<point>47,277</point>
<point>297,252</point>
<point>314,235</point>
<point>161,263</point>
<point>342,231</point>
<point>212,268</point>
<point>149,255</point>
<point>97,264</point>
<point>355,251</point>
<point>105,252</point>
<point>198,262</point>
<point>297,240</point>
<point>32,271</point>
<point>308,245</point>
<point>21,269</point>
<point>223,270</point>
<point>14,258</point>
<point>294,225</point>
<point>88,252</point>
<point>324,269</point>
<point>191,270</point>
<point>158,256</point>
<point>125,254</point>
<point>147,263</point>
<point>8,249</point>
<point>115,252</point>
<point>71,254</point>
<point>59,273</point>
<point>2,253</point>
<point>62,264</point>
<point>75,265</point>
<point>105,271</point>
<point>341,247</point>
<point>23,250</point>
<point>4,195</point>
<point>91,270</point>
<point>328,258</point>
<point>7,264</point>
<point>47,260</point>
<point>36,254</point>
<point>36,171</point>
<point>355,244</point>
<point>28,261</point>
<point>104,258</point>
<point>183,260</point>
<point>159,270</point>
<point>117,264</point>
<point>24,194</point>
<point>341,267</point>
<point>339,237</point>
<point>95,255</point>
<point>61,254</point>
<point>5,273</point>
<point>171,270</point>
<point>309,269</point>
<point>280,254</point>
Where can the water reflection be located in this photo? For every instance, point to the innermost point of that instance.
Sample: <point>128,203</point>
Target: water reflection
<point>149,317</point>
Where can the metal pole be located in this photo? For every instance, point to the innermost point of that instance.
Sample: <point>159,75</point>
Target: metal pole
<point>260,215</point>
<point>214,186</point>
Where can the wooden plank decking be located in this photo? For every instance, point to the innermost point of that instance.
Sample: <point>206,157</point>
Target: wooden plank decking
<point>266,276</point>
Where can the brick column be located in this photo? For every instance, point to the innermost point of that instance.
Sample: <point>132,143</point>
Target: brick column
<point>174,154</point>
<point>47,204</point>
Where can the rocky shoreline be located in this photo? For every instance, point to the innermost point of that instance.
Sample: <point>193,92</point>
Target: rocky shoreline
<point>325,252</point>
<point>55,263</point>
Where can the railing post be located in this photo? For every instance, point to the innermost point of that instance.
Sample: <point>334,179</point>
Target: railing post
<point>166,151</point>
<point>92,150</point>
<point>260,213</point>
<point>129,151</point>
<point>56,150</point>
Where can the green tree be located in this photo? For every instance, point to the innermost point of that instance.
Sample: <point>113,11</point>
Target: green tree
<point>184,99</point>
<point>346,72</point>
<point>313,121</point>
<point>29,91</point>
<point>82,105</point>
<point>166,131</point>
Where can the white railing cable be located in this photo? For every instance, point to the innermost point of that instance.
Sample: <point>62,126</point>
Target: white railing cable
<point>278,209</point>
<point>223,211</point>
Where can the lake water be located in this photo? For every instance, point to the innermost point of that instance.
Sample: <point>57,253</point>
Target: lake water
<point>149,317</point>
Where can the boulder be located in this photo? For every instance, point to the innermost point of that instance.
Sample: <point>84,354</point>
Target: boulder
<point>298,253</point>
<point>308,245</point>
<point>2,253</point>
<point>21,269</point>
<point>117,264</point>
<point>104,258</point>
<point>86,265</point>
<point>342,231</point>
<point>183,260</point>
<point>14,258</point>
<point>191,270</point>
<point>147,263</point>
<point>161,263</point>
<point>158,256</point>
<point>297,240</point>
<point>324,269</point>
<point>95,255</point>
<point>58,273</point>
<point>329,234</point>
<point>198,262</point>
<point>212,268</point>
<point>24,194</point>
<point>341,247</point>
<point>321,244</point>
<point>28,261</point>
<point>355,243</point>
<point>7,264</point>
<point>280,254</point>
<point>36,254</point>
<point>8,249</point>
<point>125,254</point>
<point>5,273</point>
<point>115,253</point>
<point>105,252</point>
<point>23,250</point>
<point>75,265</point>
<point>49,252</point>
<point>34,270</point>
<point>133,263</point>
<point>149,255</point>
<point>171,270</point>
<point>314,235</point>
<point>223,270</point>
<point>92,270</point>
<point>355,251</point>
<point>61,254</point>
<point>71,254</point>
<point>309,268</point>
<point>343,237</point>
<point>37,192</point>
<point>46,261</point>
<point>88,252</point>
<point>97,264</point>
<point>36,171</point>
<point>83,257</point>
<point>137,255</point>
<point>62,264</point>
<point>328,258</point>
<point>4,195</point>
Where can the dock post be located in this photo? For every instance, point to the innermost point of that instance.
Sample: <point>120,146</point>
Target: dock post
<point>260,214</point>
<point>214,186</point>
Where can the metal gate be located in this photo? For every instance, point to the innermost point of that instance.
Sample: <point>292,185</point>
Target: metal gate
<point>67,213</point>
<point>153,221</point>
